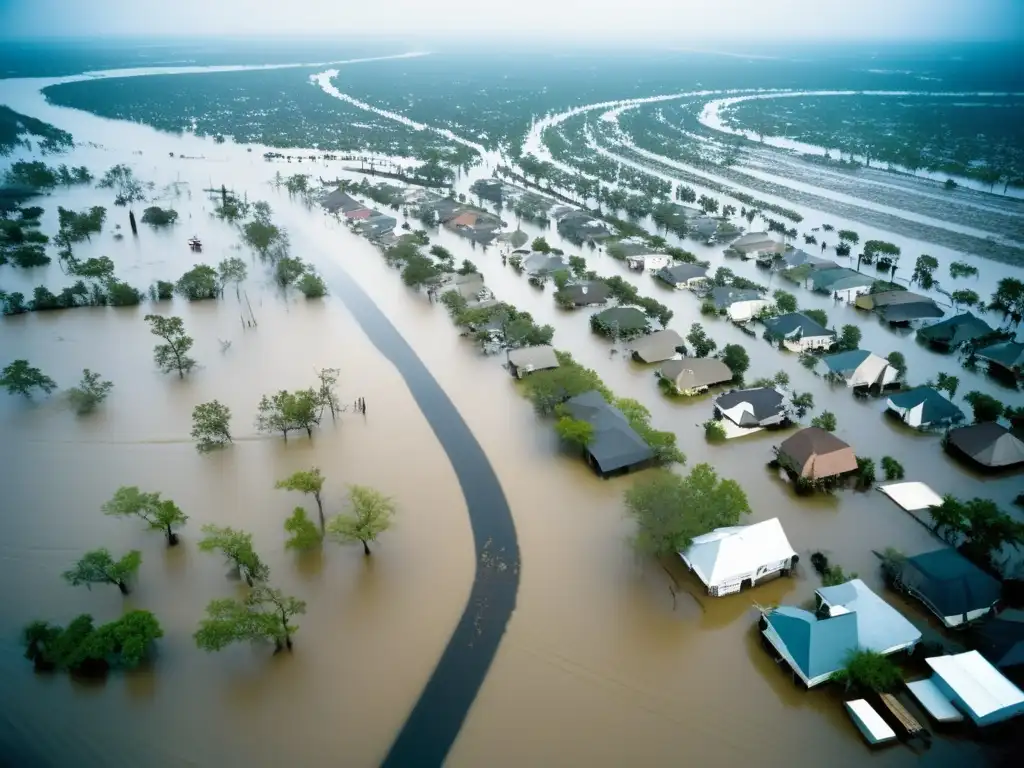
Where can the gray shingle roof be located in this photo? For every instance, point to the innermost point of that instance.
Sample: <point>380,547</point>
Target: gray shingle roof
<point>615,445</point>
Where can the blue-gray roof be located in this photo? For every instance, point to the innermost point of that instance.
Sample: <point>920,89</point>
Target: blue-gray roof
<point>724,297</point>
<point>846,362</point>
<point>838,279</point>
<point>937,409</point>
<point>795,325</point>
<point>615,444</point>
<point>950,582</point>
<point>955,330</point>
<point>1009,354</point>
<point>817,646</point>
<point>680,273</point>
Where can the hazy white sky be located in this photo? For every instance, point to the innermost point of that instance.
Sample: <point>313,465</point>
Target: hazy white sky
<point>665,20</point>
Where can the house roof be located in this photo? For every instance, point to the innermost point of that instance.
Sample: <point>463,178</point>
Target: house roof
<point>977,684</point>
<point>880,627</point>
<point>886,298</point>
<point>696,372</point>
<point>798,257</point>
<point>627,318</point>
<point>762,403</point>
<point>936,408</point>
<point>1001,638</point>
<point>593,292</point>
<point>680,273</point>
<point>989,444</point>
<point>846,363</point>
<point>724,297</point>
<point>911,496</point>
<point>950,582</point>
<point>728,554</point>
<point>541,263</point>
<point>753,241</point>
<point>911,310</point>
<point>339,200</point>
<point>795,325</point>
<point>658,346</point>
<point>956,330</point>
<point>615,444</point>
<point>838,279</point>
<point>817,646</point>
<point>359,213</point>
<point>817,453</point>
<point>1009,354</point>
<point>464,219</point>
<point>536,358</point>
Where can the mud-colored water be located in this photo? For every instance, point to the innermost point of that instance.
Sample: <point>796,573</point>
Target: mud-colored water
<point>600,664</point>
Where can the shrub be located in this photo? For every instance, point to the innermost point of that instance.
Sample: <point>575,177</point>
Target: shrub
<point>893,469</point>
<point>714,432</point>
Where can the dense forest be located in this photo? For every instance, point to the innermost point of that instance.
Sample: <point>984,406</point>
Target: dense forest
<point>17,130</point>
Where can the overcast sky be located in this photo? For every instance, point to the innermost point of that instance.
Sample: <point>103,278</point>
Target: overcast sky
<point>665,20</point>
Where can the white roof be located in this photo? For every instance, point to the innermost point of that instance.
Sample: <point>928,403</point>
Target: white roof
<point>980,686</point>
<point>912,496</point>
<point>869,722</point>
<point>727,554</point>
<point>934,701</point>
<point>880,627</point>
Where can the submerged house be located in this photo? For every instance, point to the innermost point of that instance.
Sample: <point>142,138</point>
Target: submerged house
<point>989,445</point>
<point>1008,355</point>
<point>377,225</point>
<point>642,261</point>
<point>590,294</point>
<point>753,408</point>
<point>976,688</point>
<point>526,360</point>
<point>860,368</point>
<point>899,307</point>
<point>753,242</point>
<point>621,322</point>
<point>798,332</point>
<point>341,201</point>
<point>951,333</point>
<point>694,375</point>
<point>730,559</point>
<point>841,283</point>
<point>950,586</point>
<point>543,264</point>
<point>1001,639</point>
<point>849,618</point>
<point>658,347</point>
<point>740,304</point>
<point>615,447</point>
<point>683,276</point>
<point>923,407</point>
<point>814,454</point>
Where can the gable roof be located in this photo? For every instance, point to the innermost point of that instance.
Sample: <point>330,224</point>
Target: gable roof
<point>990,444</point>
<point>956,330</point>
<point>795,325</point>
<point>540,263</point>
<point>536,358</point>
<point>615,444</point>
<point>680,273</point>
<point>696,372</point>
<point>724,296</point>
<point>728,554</point>
<point>798,257</point>
<point>978,686</point>
<point>627,318</point>
<point>950,582</point>
<point>838,279</point>
<point>936,408</point>
<point>763,402</point>
<point>592,292</point>
<point>887,298</point>
<point>1009,354</point>
<point>911,310</point>
<point>880,627</point>
<point>846,362</point>
<point>339,200</point>
<point>753,241</point>
<point>816,453</point>
<point>817,646</point>
<point>657,346</point>
<point>1001,638</point>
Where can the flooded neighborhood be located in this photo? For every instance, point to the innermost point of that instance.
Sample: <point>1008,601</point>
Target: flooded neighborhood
<point>526,373</point>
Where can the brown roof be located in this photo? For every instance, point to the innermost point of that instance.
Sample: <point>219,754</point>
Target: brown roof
<point>696,372</point>
<point>467,219</point>
<point>815,454</point>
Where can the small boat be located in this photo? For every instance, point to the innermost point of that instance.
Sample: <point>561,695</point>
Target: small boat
<point>195,244</point>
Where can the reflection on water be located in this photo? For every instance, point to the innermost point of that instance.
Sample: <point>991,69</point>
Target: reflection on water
<point>599,663</point>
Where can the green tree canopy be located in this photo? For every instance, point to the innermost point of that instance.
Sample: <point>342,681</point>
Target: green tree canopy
<point>701,344</point>
<point>159,217</point>
<point>232,270</point>
<point>263,615</point>
<point>304,533</point>
<point>89,393</point>
<point>574,431</point>
<point>849,337</point>
<point>817,315</point>
<point>236,546</point>
<point>985,407</point>
<point>211,425</point>
<point>199,283</point>
<point>160,514</point>
<point>309,481</point>
<point>671,510</point>
<point>370,515</point>
<point>99,567</point>
<point>549,388</point>
<point>287,411</point>
<point>736,357</point>
<point>20,378</point>
<point>173,354</point>
<point>825,420</point>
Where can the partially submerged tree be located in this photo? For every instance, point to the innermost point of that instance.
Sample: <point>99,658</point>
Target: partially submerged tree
<point>671,510</point>
<point>736,357</point>
<point>892,469</point>
<point>211,425</point>
<point>288,269</point>
<point>172,355</point>
<point>159,217</point>
<point>160,514</point>
<point>701,344</point>
<point>849,337</point>
<point>85,649</point>
<point>20,378</point>
<point>199,283</point>
<point>817,315</point>
<point>947,383</point>
<point>825,420</point>
<point>985,407</point>
<point>899,362</point>
<point>868,671</point>
<point>99,567</point>
<point>232,270</point>
<point>312,285</point>
<point>327,393</point>
<point>236,546</point>
<point>287,411</point>
<point>304,532</point>
<point>90,392</point>
<point>575,431</point>
<point>263,615</point>
<point>924,270</point>
<point>309,481</point>
<point>127,189</point>
<point>370,516</point>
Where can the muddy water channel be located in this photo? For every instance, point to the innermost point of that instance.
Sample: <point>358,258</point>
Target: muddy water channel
<point>600,664</point>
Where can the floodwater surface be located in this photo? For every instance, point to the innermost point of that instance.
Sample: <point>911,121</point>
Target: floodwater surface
<point>602,663</point>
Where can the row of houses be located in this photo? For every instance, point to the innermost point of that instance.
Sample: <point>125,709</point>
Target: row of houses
<point>369,222</point>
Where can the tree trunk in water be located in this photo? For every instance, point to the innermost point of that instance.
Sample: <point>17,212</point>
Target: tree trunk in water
<point>172,537</point>
<point>320,509</point>
<point>309,431</point>
<point>366,548</point>
<point>248,578</point>
<point>123,587</point>
<point>131,220</point>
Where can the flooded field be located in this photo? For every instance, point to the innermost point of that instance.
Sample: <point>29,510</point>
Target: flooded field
<point>600,663</point>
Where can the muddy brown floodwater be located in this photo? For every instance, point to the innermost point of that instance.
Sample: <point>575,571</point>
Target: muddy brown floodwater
<point>600,665</point>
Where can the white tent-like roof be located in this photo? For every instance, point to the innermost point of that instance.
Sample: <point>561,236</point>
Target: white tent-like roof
<point>728,554</point>
<point>978,686</point>
<point>912,496</point>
